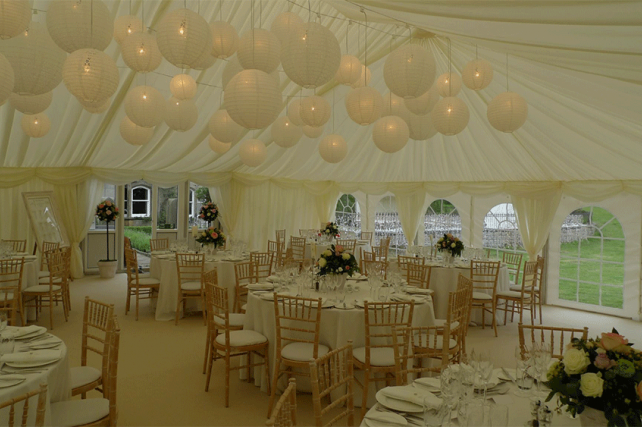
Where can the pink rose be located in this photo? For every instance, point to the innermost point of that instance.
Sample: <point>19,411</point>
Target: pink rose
<point>347,267</point>
<point>602,361</point>
<point>101,206</point>
<point>338,248</point>
<point>612,341</point>
<point>211,227</point>
<point>108,212</point>
<point>201,216</point>
<point>639,390</point>
<point>214,235</point>
<point>115,209</point>
<point>108,203</point>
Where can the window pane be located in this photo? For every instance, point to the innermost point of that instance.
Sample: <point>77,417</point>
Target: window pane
<point>347,215</point>
<point>613,297</point>
<point>589,294</point>
<point>139,208</point>
<point>387,225</point>
<point>167,208</point>
<point>568,290</point>
<point>202,195</point>
<point>441,217</point>
<point>139,194</point>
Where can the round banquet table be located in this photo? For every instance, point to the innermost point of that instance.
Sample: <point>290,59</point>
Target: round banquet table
<point>320,247</point>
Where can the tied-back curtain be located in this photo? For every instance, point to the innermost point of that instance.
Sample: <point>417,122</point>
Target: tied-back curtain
<point>228,196</point>
<point>410,209</point>
<point>326,204</point>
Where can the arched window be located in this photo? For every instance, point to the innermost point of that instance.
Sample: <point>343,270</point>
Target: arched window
<point>348,215</point>
<point>501,233</point>
<point>592,258</point>
<point>441,217</point>
<point>140,201</point>
<point>387,224</point>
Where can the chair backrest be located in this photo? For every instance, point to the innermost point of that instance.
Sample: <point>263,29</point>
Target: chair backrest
<point>97,322</point>
<point>298,319</point>
<point>57,264</point>
<point>375,266</point>
<point>484,275</point>
<point>18,245</point>
<point>529,279</point>
<point>380,253</point>
<point>277,249</point>
<point>348,244</point>
<point>418,275</point>
<point>128,243</point>
<point>381,318</point>
<point>403,261</point>
<point>110,383</point>
<point>40,410</point>
<point>10,287</point>
<point>540,270</point>
<point>218,312</point>
<point>46,247</point>
<point>263,262</point>
<point>190,268</point>
<point>280,235</point>
<point>513,264</point>
<point>366,235</point>
<point>245,273</point>
<point>551,335</point>
<point>131,265</point>
<point>464,282</point>
<point>66,256</point>
<point>284,414</point>
<point>333,374</point>
<point>297,244</point>
<point>158,244</point>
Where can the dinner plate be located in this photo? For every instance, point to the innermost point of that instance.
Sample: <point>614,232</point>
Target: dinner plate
<point>347,306</point>
<point>11,383</point>
<point>19,365</point>
<point>396,404</point>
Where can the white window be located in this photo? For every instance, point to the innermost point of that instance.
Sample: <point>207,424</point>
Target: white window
<point>140,202</point>
<point>348,215</point>
<point>387,225</point>
<point>441,218</point>
<point>501,233</point>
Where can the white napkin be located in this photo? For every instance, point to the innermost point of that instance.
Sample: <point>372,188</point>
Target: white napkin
<point>434,383</point>
<point>416,290</point>
<point>17,332</point>
<point>402,298</point>
<point>260,286</point>
<point>272,278</point>
<point>29,357</point>
<point>12,377</point>
<point>45,343</point>
<point>412,395</point>
<point>386,418</point>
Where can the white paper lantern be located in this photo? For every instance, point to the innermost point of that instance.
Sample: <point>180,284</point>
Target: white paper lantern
<point>283,25</point>
<point>294,112</point>
<point>409,71</point>
<point>77,25</point>
<point>183,37</point>
<point>145,106</point>
<point>7,81</point>
<point>90,75</point>
<point>333,148</point>
<point>259,49</point>
<point>477,74</point>
<point>31,104</point>
<point>223,128</point>
<point>140,52</point>
<point>134,134</point>
<point>217,146</point>
<point>285,133</point>
<point>393,105</point>
<point>14,17</point>
<point>183,86</point>
<point>315,111</point>
<point>253,99</point>
<point>96,107</point>
<point>252,152</point>
<point>364,105</point>
<point>311,55</point>
<point>349,70</point>
<point>423,104</point>
<point>204,62</point>
<point>421,127</point>
<point>507,112</point>
<point>232,68</point>
<point>448,84</point>
<point>312,132</point>
<point>125,26</point>
<point>390,134</point>
<point>36,61</point>
<point>180,114</point>
<point>450,116</point>
<point>225,39</point>
<point>361,82</point>
<point>35,126</point>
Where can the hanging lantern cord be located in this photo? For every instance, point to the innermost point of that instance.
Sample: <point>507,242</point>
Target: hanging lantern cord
<point>309,11</point>
<point>450,69</point>
<point>506,72</point>
<point>220,10</point>
<point>365,38</point>
<point>333,111</point>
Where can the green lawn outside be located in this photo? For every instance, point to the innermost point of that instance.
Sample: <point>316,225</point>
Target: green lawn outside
<point>139,237</point>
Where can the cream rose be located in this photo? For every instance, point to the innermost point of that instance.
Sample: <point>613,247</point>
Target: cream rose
<point>346,256</point>
<point>322,262</point>
<point>327,252</point>
<point>591,385</point>
<point>575,361</point>
<point>452,245</point>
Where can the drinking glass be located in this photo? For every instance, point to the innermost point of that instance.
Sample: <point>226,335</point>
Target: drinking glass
<point>450,388</point>
<point>542,359</point>
<point>485,369</point>
<point>435,416</point>
<point>523,380</point>
<point>3,320</point>
<point>498,416</point>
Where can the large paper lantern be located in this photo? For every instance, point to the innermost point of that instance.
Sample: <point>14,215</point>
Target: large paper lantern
<point>217,146</point>
<point>35,126</point>
<point>77,25</point>
<point>183,86</point>
<point>183,37</point>
<point>349,70</point>
<point>507,112</point>
<point>14,17</point>
<point>423,104</point>
<point>421,127</point>
<point>31,104</point>
<point>134,134</point>
<point>450,116</point>
<point>253,99</point>
<point>294,112</point>
<point>363,81</point>
<point>140,52</point>
<point>285,133</point>
<point>180,114</point>
<point>125,26</point>
<point>7,81</point>
<point>96,107</point>
<point>364,105</point>
<point>315,111</point>
<point>36,61</point>
<point>409,71</point>
<point>390,134</point>
<point>311,56</point>
<point>333,148</point>
<point>145,106</point>
<point>448,84</point>
<point>477,74</point>
<point>90,75</point>
<point>312,132</point>
<point>259,49</point>
<point>252,152</point>
<point>223,128</point>
<point>393,105</point>
<point>232,68</point>
<point>283,25</point>
<point>225,39</point>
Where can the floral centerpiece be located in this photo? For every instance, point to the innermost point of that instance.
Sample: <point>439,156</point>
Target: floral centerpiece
<point>451,244</point>
<point>604,374</point>
<point>331,230</point>
<point>336,260</point>
<point>107,211</point>
<point>211,236</point>
<point>208,212</point>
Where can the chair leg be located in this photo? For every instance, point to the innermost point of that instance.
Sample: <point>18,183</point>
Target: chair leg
<point>495,317</point>
<point>505,311</point>
<point>178,310</point>
<point>210,362</point>
<point>483,316</point>
<point>129,294</point>
<point>267,368</point>
<point>51,307</point>
<point>207,350</point>
<point>227,379</point>
<point>275,379</point>
<point>539,302</point>
<point>204,309</point>
<point>364,395</point>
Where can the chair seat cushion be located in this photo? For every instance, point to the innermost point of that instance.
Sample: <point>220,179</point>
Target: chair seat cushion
<point>191,286</point>
<point>438,343</point>
<point>43,273</point>
<point>83,375</point>
<point>45,279</point>
<point>236,319</point>
<point>482,295</point>
<point>442,323</point>
<point>244,307</point>
<point>144,275</point>
<point>146,281</point>
<point>512,294</point>
<point>302,351</point>
<point>518,288</point>
<point>242,338</point>
<point>78,412</point>
<point>378,356</point>
<point>40,289</point>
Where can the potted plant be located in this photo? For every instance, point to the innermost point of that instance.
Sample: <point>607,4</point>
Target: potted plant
<point>108,212</point>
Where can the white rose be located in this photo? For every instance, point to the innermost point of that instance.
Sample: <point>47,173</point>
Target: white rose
<point>204,233</point>
<point>322,262</point>
<point>346,256</point>
<point>340,269</point>
<point>452,245</point>
<point>327,252</point>
<point>592,385</point>
<point>575,361</point>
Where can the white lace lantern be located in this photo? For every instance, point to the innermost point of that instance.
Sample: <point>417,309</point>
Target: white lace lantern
<point>183,86</point>
<point>333,148</point>
<point>134,134</point>
<point>140,52</point>
<point>252,152</point>
<point>145,106</point>
<point>364,105</point>
<point>253,99</point>
<point>294,112</point>
<point>75,25</point>
<point>285,133</point>
<point>450,116</point>
<point>409,71</point>
<point>96,107</point>
<point>223,128</point>
<point>507,112</point>
<point>31,104</point>
<point>217,146</point>
<point>448,84</point>
<point>283,25</point>
<point>225,39</point>
<point>361,81</point>
<point>183,37</point>
<point>180,114</point>
<point>390,134</point>
<point>477,74</point>
<point>90,75</point>
<point>349,70</point>
<point>421,127</point>
<point>423,104</point>
<point>8,79</point>
<point>125,26</point>
<point>312,132</point>
<point>259,49</point>
<point>35,126</point>
<point>14,17</point>
<point>315,111</point>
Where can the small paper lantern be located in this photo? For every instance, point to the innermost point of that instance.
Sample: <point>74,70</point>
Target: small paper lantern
<point>283,25</point>
<point>294,112</point>
<point>285,133</point>
<point>313,132</point>
<point>90,75</point>
<point>225,39</point>
<point>361,82</point>
<point>125,26</point>
<point>421,127</point>
<point>75,25</point>
<point>423,104</point>
<point>145,106</point>
<point>7,81</point>
<point>393,105</point>
<point>183,37</point>
<point>140,52</point>
<point>450,116</point>
<point>311,55</point>
<point>31,104</point>
<point>409,71</point>
<point>448,84</point>
<point>252,152</point>
<point>223,128</point>
<point>253,99</point>
<point>232,68</point>
<point>333,148</point>
<point>96,108</point>
<point>315,111</point>
<point>183,86</point>
<point>477,74</point>
<point>14,17</point>
<point>259,49</point>
<point>180,114</point>
<point>364,105</point>
<point>349,70</point>
<point>204,62</point>
<point>390,134</point>
<point>35,126</point>
<point>217,146</point>
<point>507,112</point>
<point>134,134</point>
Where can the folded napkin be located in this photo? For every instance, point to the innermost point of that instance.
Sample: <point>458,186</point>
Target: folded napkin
<point>12,377</point>
<point>233,259</point>
<point>17,332</point>
<point>416,290</point>
<point>260,286</point>
<point>45,343</point>
<point>273,279</point>
<point>386,418</point>
<point>434,383</point>
<point>412,395</point>
<point>29,357</point>
<point>402,298</point>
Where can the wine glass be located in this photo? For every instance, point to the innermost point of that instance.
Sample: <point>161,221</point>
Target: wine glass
<point>485,369</point>
<point>3,320</point>
<point>523,380</point>
<point>450,387</point>
<point>435,416</point>
<point>542,359</point>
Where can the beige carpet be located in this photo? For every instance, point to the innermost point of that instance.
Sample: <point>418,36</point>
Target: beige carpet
<point>160,380</point>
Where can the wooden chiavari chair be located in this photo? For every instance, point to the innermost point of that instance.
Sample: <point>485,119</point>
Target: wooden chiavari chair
<point>277,249</point>
<point>52,291</point>
<point>138,286</point>
<point>375,266</point>
<point>538,292</point>
<point>403,261</point>
<point>366,235</point>
<point>263,262</point>
<point>11,289</point>
<point>66,255</point>
<point>297,244</point>
<point>418,275</point>
<point>513,264</point>
<point>484,275</point>
<point>46,247</point>
<point>550,335</point>
<point>280,235</point>
<point>18,246</point>
<point>128,243</point>
<point>524,298</point>
<point>365,256</point>
<point>348,244</point>
<point>41,392</point>
<point>190,269</point>
<point>158,244</point>
<point>245,273</point>
<point>285,411</point>
<point>380,253</point>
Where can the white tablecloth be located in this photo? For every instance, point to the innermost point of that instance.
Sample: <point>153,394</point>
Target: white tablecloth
<point>320,247</point>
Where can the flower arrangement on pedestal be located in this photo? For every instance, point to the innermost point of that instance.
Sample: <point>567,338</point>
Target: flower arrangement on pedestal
<point>331,229</point>
<point>451,244</point>
<point>108,212</point>
<point>336,260</point>
<point>604,374</point>
<point>208,212</point>
<point>211,236</point>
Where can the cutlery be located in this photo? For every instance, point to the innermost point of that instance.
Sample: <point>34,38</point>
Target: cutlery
<point>508,375</point>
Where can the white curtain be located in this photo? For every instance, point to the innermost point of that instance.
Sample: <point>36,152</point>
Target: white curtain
<point>228,197</point>
<point>326,205</point>
<point>410,209</point>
